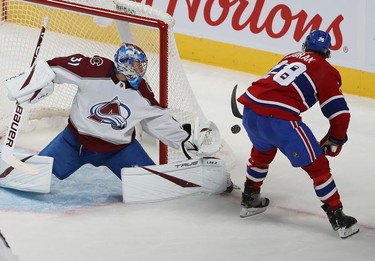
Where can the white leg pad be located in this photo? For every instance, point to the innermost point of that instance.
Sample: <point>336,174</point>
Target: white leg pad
<point>19,180</point>
<point>174,180</point>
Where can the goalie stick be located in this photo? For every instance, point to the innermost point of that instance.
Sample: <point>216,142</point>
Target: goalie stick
<point>7,153</point>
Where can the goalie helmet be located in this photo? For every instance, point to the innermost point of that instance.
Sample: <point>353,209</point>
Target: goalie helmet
<point>318,41</point>
<point>131,61</point>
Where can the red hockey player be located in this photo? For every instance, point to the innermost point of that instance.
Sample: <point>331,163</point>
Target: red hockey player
<point>271,117</point>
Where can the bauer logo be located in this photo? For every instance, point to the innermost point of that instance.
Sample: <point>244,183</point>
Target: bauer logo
<point>113,112</point>
<point>14,126</point>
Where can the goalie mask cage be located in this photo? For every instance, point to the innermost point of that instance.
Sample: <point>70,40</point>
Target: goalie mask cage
<point>92,27</point>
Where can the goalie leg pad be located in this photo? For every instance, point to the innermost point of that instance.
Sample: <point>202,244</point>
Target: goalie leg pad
<point>19,180</point>
<point>174,180</point>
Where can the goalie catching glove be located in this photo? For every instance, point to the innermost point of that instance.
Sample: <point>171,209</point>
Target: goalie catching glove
<point>203,141</point>
<point>32,85</point>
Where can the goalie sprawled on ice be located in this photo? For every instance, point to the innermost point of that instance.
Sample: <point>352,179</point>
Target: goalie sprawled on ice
<point>112,98</point>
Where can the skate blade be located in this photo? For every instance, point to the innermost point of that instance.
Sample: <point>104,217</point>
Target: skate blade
<point>248,212</point>
<point>347,232</point>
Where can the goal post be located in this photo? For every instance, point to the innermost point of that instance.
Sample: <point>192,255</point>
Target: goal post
<point>93,27</point>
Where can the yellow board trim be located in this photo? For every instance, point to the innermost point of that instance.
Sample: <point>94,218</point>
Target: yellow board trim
<point>258,62</point>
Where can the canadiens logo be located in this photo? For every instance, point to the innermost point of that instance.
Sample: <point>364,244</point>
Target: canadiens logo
<point>113,112</point>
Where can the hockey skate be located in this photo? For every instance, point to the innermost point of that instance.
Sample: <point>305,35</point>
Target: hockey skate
<point>253,203</point>
<point>346,226</point>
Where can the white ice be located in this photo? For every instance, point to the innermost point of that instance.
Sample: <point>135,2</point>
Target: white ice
<point>207,227</point>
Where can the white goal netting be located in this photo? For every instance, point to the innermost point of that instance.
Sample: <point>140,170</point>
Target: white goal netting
<point>76,31</point>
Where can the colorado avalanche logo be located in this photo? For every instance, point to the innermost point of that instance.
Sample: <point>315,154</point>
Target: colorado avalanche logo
<point>111,113</point>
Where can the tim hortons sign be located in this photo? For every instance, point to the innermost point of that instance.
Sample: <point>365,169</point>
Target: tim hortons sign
<point>251,16</point>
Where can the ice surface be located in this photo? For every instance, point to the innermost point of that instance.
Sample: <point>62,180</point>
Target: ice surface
<point>84,219</point>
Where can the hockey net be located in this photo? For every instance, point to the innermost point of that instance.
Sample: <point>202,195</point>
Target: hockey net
<point>92,27</point>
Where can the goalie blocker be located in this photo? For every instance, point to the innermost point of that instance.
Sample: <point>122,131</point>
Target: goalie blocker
<point>174,180</point>
<point>32,85</point>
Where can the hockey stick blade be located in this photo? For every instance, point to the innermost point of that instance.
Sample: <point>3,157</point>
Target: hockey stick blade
<point>17,164</point>
<point>233,104</point>
<point>18,179</point>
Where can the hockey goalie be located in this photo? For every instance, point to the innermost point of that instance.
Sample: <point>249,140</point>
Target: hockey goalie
<point>112,99</point>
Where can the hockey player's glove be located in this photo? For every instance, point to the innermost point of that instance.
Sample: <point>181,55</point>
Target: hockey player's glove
<point>331,146</point>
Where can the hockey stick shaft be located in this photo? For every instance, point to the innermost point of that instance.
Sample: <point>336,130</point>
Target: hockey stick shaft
<point>7,153</point>
<point>40,40</point>
<point>233,104</point>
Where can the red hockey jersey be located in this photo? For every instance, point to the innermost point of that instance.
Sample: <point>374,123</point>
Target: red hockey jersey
<point>294,85</point>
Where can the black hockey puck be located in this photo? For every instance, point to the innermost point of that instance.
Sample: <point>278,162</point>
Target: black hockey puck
<point>235,129</point>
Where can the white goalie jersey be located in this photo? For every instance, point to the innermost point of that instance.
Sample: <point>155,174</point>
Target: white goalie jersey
<point>105,110</point>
